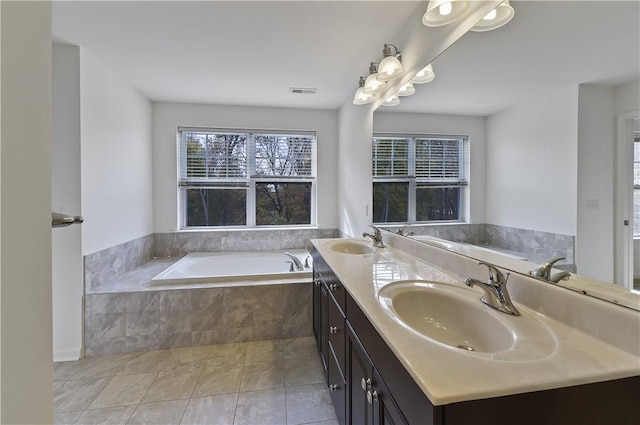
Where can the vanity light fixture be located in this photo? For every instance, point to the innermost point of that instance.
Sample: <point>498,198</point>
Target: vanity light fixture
<point>372,84</point>
<point>498,17</point>
<point>406,89</point>
<point>425,75</point>
<point>394,100</point>
<point>362,98</point>
<point>443,12</point>
<point>390,67</point>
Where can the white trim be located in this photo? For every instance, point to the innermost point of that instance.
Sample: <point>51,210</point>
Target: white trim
<point>623,248</point>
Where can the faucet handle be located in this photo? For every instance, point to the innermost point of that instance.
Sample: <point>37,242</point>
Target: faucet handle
<point>495,274</point>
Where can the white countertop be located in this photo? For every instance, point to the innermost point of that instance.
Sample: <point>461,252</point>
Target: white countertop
<point>446,374</point>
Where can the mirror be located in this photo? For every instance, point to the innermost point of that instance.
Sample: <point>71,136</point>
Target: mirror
<point>549,100</point>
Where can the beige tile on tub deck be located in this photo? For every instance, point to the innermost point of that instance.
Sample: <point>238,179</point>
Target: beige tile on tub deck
<point>123,391</point>
<point>213,410</point>
<point>164,413</point>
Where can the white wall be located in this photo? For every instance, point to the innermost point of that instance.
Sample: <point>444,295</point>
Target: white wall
<point>627,98</point>
<point>596,182</point>
<point>532,164</point>
<point>26,371</point>
<point>65,197</point>
<point>116,157</point>
<point>473,127</point>
<point>355,194</point>
<point>168,116</point>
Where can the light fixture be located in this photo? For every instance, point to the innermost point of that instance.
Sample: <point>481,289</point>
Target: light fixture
<point>394,100</point>
<point>372,84</point>
<point>362,98</point>
<point>406,89</point>
<point>496,18</point>
<point>390,67</point>
<point>425,75</point>
<point>443,12</point>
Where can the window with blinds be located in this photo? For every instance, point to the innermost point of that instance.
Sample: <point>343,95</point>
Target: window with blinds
<point>246,178</point>
<point>418,179</point>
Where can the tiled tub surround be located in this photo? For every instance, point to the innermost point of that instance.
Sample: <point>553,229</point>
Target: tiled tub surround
<point>124,312</point>
<point>153,320</point>
<point>105,268</point>
<point>534,245</point>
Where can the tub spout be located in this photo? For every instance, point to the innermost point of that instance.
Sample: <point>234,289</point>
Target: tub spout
<point>296,261</point>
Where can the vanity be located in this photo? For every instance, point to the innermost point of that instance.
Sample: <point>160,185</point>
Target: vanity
<point>461,362</point>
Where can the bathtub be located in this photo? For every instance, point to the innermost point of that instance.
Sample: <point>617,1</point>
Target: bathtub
<point>212,267</point>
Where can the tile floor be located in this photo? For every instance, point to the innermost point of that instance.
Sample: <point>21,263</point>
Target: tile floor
<point>277,382</point>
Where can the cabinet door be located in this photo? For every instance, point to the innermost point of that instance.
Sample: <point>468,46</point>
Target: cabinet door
<point>324,327</point>
<point>337,333</point>
<point>385,409</point>
<point>337,388</point>
<point>359,379</point>
<point>317,308</point>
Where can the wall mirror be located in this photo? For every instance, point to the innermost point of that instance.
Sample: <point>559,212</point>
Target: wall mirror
<point>595,60</point>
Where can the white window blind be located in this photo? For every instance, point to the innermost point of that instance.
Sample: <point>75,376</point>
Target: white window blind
<point>390,157</point>
<point>212,156</point>
<point>284,155</point>
<point>439,160</point>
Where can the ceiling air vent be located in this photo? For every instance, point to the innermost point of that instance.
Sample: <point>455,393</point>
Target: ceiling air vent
<point>302,90</point>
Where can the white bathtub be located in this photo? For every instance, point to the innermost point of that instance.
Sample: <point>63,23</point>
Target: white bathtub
<point>211,267</point>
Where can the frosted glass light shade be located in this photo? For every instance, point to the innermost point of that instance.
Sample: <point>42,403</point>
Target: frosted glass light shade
<point>425,75</point>
<point>443,12</point>
<point>394,100</point>
<point>372,84</point>
<point>362,98</point>
<point>406,89</point>
<point>498,17</point>
<point>389,68</point>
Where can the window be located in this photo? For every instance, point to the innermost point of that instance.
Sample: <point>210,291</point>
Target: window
<point>246,179</point>
<point>418,179</point>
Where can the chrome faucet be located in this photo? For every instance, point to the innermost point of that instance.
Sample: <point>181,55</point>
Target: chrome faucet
<point>295,260</point>
<point>543,271</point>
<point>403,231</point>
<point>495,291</point>
<point>376,237</point>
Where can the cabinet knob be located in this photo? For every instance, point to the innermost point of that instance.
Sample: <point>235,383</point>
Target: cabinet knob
<point>372,396</point>
<point>365,383</point>
<point>334,387</point>
<point>333,330</point>
<point>316,282</point>
<point>333,287</point>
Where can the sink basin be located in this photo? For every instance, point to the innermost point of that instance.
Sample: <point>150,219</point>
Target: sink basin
<point>351,247</point>
<point>451,315</point>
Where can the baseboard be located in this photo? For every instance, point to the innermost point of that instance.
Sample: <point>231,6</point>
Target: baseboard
<point>66,356</point>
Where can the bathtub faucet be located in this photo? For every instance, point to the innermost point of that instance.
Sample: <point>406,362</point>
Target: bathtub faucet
<point>296,261</point>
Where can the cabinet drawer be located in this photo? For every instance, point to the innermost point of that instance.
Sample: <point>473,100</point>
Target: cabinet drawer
<point>337,333</point>
<point>336,289</point>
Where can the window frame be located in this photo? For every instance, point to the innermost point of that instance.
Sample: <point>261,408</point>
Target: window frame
<point>248,183</point>
<point>415,182</point>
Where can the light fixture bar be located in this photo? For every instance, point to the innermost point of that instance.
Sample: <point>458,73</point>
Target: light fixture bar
<point>498,17</point>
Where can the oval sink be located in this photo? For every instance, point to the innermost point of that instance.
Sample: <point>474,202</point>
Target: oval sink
<point>351,247</point>
<point>436,311</point>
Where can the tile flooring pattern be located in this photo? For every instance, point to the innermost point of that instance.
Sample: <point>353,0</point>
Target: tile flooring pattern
<point>276,382</point>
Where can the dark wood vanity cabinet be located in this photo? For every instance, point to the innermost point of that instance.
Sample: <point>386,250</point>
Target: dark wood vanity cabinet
<point>370,386</point>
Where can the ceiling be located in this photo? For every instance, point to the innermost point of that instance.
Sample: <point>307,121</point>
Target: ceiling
<point>251,53</point>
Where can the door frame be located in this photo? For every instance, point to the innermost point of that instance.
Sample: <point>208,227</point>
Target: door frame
<point>623,251</point>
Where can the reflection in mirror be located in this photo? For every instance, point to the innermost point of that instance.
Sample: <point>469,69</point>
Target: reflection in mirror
<point>539,109</point>
<point>517,262</point>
